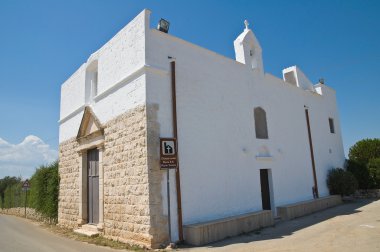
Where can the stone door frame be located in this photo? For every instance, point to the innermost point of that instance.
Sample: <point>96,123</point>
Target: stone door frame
<point>90,136</point>
<point>83,201</point>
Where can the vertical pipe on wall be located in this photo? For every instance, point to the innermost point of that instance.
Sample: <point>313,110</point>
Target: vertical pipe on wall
<point>177,175</point>
<point>168,195</point>
<point>315,189</point>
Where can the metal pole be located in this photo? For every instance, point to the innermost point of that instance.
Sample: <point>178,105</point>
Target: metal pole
<point>168,192</point>
<point>177,175</point>
<point>26,197</point>
<point>312,154</point>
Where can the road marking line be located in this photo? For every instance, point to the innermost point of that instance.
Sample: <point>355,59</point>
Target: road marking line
<point>367,226</point>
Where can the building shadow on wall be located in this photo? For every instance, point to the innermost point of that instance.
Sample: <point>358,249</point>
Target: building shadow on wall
<point>286,228</point>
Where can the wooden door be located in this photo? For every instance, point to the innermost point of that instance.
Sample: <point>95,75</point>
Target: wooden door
<point>93,185</point>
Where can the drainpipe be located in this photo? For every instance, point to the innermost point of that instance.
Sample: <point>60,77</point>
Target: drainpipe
<point>315,188</point>
<point>177,174</point>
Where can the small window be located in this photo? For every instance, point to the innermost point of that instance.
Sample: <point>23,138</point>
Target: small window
<point>94,84</point>
<point>331,123</point>
<point>261,128</point>
<point>91,82</point>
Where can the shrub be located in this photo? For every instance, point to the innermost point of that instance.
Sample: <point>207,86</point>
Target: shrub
<point>374,172</point>
<point>361,173</point>
<point>341,182</point>
<point>363,155</point>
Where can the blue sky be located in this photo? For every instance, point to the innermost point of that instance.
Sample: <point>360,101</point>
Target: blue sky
<point>43,42</point>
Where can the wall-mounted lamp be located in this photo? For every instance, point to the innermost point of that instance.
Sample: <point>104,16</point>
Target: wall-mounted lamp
<point>163,25</point>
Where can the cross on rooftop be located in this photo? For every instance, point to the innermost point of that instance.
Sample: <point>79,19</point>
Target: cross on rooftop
<point>246,24</point>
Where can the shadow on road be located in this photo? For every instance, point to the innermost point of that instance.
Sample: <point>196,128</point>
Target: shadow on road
<point>286,228</point>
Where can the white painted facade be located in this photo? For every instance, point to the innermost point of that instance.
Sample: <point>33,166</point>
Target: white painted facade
<point>220,156</point>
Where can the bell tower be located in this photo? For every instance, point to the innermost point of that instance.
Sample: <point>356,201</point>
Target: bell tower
<point>248,50</point>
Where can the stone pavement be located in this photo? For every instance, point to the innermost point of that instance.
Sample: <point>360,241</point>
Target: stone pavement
<point>353,226</point>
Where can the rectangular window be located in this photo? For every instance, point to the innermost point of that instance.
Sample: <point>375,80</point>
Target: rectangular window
<point>331,123</point>
<point>261,127</point>
<point>95,84</point>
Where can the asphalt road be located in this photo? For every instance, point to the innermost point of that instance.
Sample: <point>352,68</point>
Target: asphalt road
<point>20,235</point>
<point>349,227</point>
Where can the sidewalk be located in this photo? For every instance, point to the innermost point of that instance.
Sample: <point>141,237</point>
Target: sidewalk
<point>353,226</point>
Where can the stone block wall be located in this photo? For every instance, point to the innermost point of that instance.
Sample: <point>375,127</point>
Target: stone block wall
<point>68,202</point>
<point>303,208</point>
<point>132,198</point>
<point>126,187</point>
<point>158,219</point>
<point>367,194</point>
<point>31,213</point>
<point>132,180</point>
<point>211,231</point>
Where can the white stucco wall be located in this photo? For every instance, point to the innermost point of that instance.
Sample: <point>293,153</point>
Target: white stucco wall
<point>121,79</point>
<point>216,136</point>
<point>220,171</point>
<point>72,92</point>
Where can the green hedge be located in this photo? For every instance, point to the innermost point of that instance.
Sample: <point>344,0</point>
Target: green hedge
<point>44,190</point>
<point>43,193</point>
<point>14,196</point>
<point>10,192</point>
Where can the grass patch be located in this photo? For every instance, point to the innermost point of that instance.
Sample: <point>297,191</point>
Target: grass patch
<point>98,240</point>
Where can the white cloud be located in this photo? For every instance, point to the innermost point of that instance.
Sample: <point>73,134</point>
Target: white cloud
<point>23,158</point>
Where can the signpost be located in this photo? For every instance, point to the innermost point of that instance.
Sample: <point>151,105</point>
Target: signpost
<point>168,153</point>
<point>25,188</point>
<point>168,160</point>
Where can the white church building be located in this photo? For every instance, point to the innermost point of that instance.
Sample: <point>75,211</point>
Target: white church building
<point>247,141</point>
